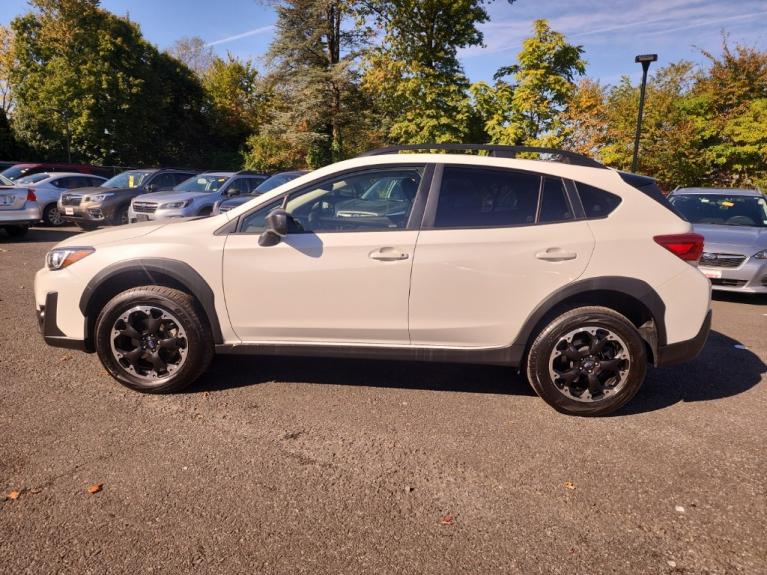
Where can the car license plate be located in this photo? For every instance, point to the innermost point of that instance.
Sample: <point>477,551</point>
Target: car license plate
<point>711,274</point>
<point>142,218</point>
<point>69,211</point>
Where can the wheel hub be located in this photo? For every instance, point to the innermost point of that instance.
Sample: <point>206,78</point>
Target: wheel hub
<point>589,364</point>
<point>149,343</point>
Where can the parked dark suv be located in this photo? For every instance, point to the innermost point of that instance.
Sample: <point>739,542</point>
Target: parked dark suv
<point>107,204</point>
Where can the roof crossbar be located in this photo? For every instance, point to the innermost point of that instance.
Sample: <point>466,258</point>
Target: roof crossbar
<point>497,151</point>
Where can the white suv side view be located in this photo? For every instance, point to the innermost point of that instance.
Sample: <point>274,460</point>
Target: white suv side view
<point>570,271</point>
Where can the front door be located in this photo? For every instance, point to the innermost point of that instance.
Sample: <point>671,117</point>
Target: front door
<point>342,275</point>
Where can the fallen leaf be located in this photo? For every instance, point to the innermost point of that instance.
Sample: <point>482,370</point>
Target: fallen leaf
<point>446,520</point>
<point>569,485</point>
<point>66,358</point>
<point>679,509</point>
<point>14,495</point>
<point>95,488</point>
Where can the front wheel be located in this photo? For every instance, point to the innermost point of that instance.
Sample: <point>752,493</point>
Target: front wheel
<point>153,339</point>
<point>589,361</point>
<point>120,217</point>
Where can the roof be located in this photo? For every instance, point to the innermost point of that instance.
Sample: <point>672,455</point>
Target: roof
<point>717,191</point>
<point>222,174</point>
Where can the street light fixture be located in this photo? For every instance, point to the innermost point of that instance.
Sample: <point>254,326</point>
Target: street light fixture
<point>645,60</point>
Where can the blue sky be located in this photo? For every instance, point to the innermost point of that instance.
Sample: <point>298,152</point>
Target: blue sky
<point>612,32</point>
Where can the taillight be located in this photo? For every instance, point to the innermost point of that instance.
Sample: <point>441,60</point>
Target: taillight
<point>31,197</point>
<point>688,247</point>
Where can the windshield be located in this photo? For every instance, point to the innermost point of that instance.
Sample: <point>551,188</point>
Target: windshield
<point>201,183</point>
<point>17,171</point>
<point>722,210</point>
<point>33,179</point>
<point>273,182</point>
<point>129,179</point>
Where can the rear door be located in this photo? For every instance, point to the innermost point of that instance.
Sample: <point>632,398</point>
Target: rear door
<point>495,243</point>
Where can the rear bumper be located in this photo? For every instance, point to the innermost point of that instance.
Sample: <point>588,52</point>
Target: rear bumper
<point>684,350</point>
<point>28,215</point>
<point>47,326</point>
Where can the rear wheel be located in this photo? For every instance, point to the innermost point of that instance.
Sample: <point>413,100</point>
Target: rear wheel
<point>153,339</point>
<point>589,361</point>
<point>52,216</point>
<point>16,231</point>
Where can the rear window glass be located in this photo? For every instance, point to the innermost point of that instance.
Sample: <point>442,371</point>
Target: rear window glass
<point>597,203</point>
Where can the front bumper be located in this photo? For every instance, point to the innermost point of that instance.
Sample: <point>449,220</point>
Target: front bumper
<point>28,215</point>
<point>89,213</point>
<point>159,214</point>
<point>750,277</point>
<point>47,326</point>
<point>684,350</point>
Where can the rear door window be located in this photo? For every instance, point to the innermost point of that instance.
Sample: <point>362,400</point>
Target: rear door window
<point>555,207</point>
<point>486,198</point>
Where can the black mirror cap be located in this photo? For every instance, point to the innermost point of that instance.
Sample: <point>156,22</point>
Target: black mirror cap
<point>276,228</point>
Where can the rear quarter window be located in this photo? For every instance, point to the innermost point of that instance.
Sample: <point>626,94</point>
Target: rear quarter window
<point>596,203</point>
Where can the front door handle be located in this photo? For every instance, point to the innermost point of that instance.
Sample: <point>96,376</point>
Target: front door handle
<point>388,254</point>
<point>556,255</point>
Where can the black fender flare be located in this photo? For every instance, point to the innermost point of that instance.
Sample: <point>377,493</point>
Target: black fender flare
<point>636,288</point>
<point>179,271</point>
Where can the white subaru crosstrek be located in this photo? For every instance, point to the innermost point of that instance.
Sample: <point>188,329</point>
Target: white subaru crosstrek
<point>576,274</point>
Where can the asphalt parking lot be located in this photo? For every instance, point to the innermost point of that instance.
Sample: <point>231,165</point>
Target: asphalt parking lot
<point>275,465</point>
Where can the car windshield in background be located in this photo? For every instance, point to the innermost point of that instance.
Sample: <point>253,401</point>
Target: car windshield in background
<point>33,179</point>
<point>273,182</point>
<point>15,172</point>
<point>131,179</point>
<point>201,184</point>
<point>721,210</point>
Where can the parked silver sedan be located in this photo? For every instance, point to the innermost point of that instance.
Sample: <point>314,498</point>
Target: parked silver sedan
<point>734,225</point>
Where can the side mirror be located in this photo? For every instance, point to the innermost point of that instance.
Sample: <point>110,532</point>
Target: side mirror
<point>150,188</point>
<point>276,228</point>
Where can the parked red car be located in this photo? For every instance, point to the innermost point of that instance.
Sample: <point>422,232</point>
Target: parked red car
<point>20,170</point>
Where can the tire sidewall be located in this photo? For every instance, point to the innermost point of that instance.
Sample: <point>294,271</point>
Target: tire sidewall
<point>196,352</point>
<point>540,353</point>
<point>49,209</point>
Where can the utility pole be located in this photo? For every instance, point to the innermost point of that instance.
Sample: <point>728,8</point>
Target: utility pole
<point>645,60</point>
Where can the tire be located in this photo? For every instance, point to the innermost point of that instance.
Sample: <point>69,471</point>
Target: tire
<point>155,315</point>
<point>52,216</point>
<point>120,216</point>
<point>86,227</point>
<point>16,231</point>
<point>589,361</point>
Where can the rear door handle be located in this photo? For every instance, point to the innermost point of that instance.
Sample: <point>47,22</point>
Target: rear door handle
<point>388,254</point>
<point>556,255</point>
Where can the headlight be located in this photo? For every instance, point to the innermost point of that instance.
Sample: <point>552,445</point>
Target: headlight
<point>762,255</point>
<point>59,258</point>
<point>98,197</point>
<point>175,205</point>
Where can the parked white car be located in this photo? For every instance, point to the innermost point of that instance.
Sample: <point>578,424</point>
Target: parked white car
<point>561,269</point>
<point>48,187</point>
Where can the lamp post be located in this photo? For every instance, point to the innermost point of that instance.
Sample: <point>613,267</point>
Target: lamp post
<point>645,60</point>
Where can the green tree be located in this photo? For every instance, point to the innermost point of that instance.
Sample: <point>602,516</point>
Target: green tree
<point>7,56</point>
<point>313,79</point>
<point>528,110</point>
<point>414,76</point>
<point>86,79</point>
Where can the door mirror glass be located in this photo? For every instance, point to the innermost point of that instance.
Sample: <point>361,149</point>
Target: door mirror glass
<point>276,228</point>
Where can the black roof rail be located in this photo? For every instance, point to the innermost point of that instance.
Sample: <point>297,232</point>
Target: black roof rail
<point>497,151</point>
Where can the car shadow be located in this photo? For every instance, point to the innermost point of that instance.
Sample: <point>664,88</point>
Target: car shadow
<point>734,297</point>
<point>40,235</point>
<point>238,371</point>
<point>720,371</point>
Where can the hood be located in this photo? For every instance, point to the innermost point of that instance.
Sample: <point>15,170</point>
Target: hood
<point>745,239</point>
<point>90,190</point>
<point>169,196</point>
<point>112,234</point>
